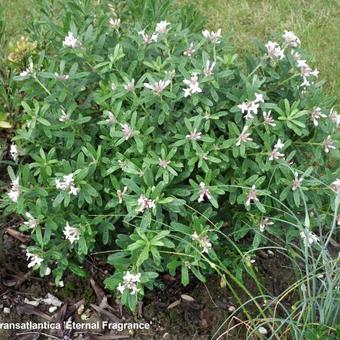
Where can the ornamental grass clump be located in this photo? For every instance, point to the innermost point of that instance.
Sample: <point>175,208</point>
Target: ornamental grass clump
<point>145,139</point>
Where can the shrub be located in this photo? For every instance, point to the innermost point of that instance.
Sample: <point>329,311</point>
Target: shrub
<point>145,140</point>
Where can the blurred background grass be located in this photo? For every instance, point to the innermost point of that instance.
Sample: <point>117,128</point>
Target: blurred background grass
<point>316,22</point>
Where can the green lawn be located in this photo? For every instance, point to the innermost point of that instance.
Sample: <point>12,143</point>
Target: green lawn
<point>316,22</point>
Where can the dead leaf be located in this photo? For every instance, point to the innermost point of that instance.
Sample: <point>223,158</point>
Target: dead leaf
<point>188,298</point>
<point>174,304</point>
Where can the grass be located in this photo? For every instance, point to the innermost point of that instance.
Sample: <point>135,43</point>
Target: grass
<point>316,22</point>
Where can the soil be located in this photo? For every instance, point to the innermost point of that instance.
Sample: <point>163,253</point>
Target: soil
<point>173,311</point>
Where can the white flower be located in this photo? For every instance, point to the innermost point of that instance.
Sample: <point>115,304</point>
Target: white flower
<point>71,41</point>
<point>244,136</point>
<point>203,193</point>
<point>72,234</point>
<point>279,145</point>
<point>259,98</point>
<point>130,282</point>
<point>162,27</point>
<point>14,152</point>
<point>163,163</point>
<point>336,185</point>
<point>115,23</point>
<point>213,37</point>
<point>34,259</point>
<point>328,144</point>
<point>268,119</point>
<point>25,73</point>
<point>194,135</point>
<point>316,115</point>
<point>130,86</point>
<point>148,39</point>
<point>250,107</point>
<point>193,85</point>
<point>264,223</point>
<point>190,50</point>
<point>145,203</point>
<point>64,117</point>
<point>335,117</point>
<point>61,76</point>
<point>113,87</point>
<point>208,69</point>
<point>296,55</point>
<point>158,87</point>
<point>274,50</point>
<point>262,330</point>
<point>127,131</point>
<point>297,181</point>
<point>203,241</point>
<point>121,194</point>
<point>252,196</point>
<point>67,184</point>
<point>291,39</point>
<point>308,237</point>
<point>32,222</point>
<point>14,193</point>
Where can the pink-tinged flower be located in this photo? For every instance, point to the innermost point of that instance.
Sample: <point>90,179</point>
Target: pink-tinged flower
<point>72,234</point>
<point>64,117</point>
<point>274,50</point>
<point>193,85</point>
<point>158,87</point>
<point>162,27</point>
<point>291,40</point>
<point>127,131</point>
<point>194,135</point>
<point>308,237</point>
<point>148,39</point>
<point>213,37</point>
<point>145,203</point>
<point>35,260</point>
<point>276,154</point>
<point>32,222</point>
<point>244,137</point>
<point>328,144</point>
<point>336,185</point>
<point>268,119</point>
<point>111,119</point>
<point>316,115</point>
<point>335,117</point>
<point>296,181</point>
<point>114,23</point>
<point>190,50</point>
<point>14,193</point>
<point>264,223</point>
<point>71,41</point>
<point>296,55</point>
<point>130,86</point>
<point>203,193</point>
<point>67,184</point>
<point>252,196</point>
<point>121,194</point>
<point>203,241</point>
<point>163,163</point>
<point>62,77</point>
<point>208,69</point>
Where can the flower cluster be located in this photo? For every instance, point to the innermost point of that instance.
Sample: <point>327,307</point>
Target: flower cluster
<point>67,184</point>
<point>14,193</point>
<point>130,282</point>
<point>71,233</point>
<point>252,106</point>
<point>203,241</point>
